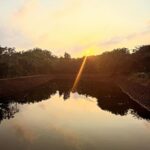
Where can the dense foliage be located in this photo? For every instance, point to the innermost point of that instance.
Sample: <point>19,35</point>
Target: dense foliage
<point>38,61</point>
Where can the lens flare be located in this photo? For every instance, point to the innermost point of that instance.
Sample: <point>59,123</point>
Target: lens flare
<point>79,74</point>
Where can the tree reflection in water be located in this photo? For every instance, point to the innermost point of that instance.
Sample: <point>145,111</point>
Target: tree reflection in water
<point>8,110</point>
<point>109,97</point>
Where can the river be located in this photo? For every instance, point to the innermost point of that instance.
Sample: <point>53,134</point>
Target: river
<point>98,115</point>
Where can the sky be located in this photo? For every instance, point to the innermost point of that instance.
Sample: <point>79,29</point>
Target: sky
<point>74,26</point>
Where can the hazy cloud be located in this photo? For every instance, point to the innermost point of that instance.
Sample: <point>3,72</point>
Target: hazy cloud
<point>72,25</point>
<point>119,39</point>
<point>71,138</point>
<point>12,37</point>
<point>24,132</point>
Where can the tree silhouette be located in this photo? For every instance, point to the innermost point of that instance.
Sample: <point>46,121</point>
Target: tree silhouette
<point>38,61</point>
<point>67,56</point>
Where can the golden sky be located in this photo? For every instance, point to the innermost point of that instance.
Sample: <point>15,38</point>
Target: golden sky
<point>74,26</point>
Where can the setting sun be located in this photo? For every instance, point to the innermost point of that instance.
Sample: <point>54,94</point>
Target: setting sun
<point>89,52</point>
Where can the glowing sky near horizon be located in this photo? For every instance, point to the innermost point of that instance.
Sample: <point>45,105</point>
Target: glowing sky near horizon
<point>74,26</point>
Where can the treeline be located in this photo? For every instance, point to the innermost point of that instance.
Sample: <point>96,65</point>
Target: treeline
<point>37,61</point>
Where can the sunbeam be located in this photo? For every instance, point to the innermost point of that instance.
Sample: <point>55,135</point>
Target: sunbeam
<point>79,74</point>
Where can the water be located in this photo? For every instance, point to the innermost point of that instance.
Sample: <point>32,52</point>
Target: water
<point>97,116</point>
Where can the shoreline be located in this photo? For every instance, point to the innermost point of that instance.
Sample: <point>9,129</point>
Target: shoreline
<point>136,91</point>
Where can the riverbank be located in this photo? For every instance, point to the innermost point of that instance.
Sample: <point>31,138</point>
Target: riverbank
<point>13,86</point>
<point>137,91</point>
<point>136,88</point>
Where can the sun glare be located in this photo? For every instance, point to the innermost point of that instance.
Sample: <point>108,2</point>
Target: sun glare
<point>89,52</point>
<point>86,53</point>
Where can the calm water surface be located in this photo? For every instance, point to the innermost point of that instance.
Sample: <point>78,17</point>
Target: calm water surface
<point>51,117</point>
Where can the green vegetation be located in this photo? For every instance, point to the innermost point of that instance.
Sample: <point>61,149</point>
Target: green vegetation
<point>38,61</point>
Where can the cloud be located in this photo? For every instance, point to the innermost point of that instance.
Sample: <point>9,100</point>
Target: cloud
<point>147,125</point>
<point>120,39</point>
<point>12,37</point>
<point>70,137</point>
<point>27,7</point>
<point>114,40</point>
<point>69,25</point>
<point>46,26</point>
<point>24,132</point>
<point>68,8</point>
<point>148,23</point>
<point>34,11</point>
<point>61,28</point>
